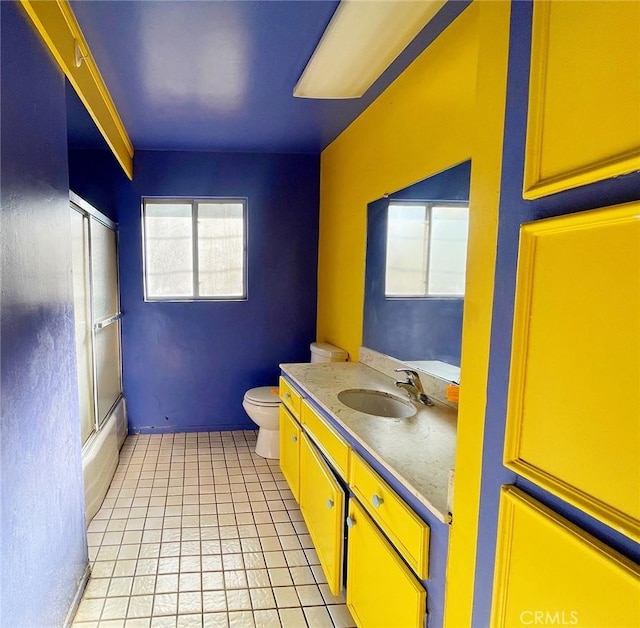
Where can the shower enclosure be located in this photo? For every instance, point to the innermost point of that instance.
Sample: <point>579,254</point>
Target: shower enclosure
<point>103,422</point>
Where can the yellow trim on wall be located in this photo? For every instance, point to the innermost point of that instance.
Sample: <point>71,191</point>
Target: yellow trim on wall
<point>59,29</point>
<point>493,55</point>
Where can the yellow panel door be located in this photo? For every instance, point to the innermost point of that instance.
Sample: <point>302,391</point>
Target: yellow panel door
<point>290,451</point>
<point>584,97</point>
<point>381,590</point>
<point>549,572</point>
<point>573,420</point>
<point>322,503</point>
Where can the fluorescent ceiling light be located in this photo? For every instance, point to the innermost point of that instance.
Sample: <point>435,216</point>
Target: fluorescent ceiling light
<point>362,39</point>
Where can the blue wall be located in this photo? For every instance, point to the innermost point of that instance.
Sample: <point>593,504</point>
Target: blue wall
<point>97,177</point>
<point>188,365</point>
<point>43,542</point>
<point>513,212</point>
<point>421,328</point>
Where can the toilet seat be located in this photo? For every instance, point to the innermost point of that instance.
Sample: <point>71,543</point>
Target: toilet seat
<point>264,396</point>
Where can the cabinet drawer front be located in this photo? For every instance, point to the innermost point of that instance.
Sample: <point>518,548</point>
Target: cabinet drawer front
<point>332,445</point>
<point>381,591</point>
<point>290,397</point>
<point>403,527</point>
<point>290,451</point>
<point>322,502</point>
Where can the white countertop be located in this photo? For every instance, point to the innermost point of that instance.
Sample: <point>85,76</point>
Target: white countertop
<point>418,451</point>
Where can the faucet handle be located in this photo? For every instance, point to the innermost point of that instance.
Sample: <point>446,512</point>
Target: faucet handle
<point>413,375</point>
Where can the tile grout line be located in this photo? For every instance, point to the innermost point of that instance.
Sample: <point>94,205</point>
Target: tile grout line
<point>216,473</point>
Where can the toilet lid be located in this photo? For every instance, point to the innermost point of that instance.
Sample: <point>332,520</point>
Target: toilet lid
<point>263,396</point>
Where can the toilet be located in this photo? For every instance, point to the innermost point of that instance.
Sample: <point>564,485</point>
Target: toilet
<point>261,404</point>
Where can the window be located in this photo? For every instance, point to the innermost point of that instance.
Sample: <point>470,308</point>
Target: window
<point>426,249</point>
<point>194,249</point>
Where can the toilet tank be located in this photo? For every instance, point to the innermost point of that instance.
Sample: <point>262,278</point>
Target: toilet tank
<point>325,352</point>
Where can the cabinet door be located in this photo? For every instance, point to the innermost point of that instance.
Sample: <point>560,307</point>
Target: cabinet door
<point>381,591</point>
<point>549,571</point>
<point>322,502</point>
<point>584,94</point>
<point>290,451</point>
<point>573,417</point>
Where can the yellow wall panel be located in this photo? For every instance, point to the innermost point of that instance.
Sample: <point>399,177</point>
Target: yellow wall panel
<point>493,50</point>
<point>576,46</point>
<point>573,423</point>
<point>373,157</point>
<point>421,125</point>
<point>550,572</point>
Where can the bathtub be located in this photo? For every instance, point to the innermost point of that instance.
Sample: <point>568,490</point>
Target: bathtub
<point>100,458</point>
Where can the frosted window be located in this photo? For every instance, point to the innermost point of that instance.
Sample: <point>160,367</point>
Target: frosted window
<point>221,250</point>
<point>195,249</point>
<point>448,250</point>
<point>407,238</point>
<point>426,249</point>
<point>168,233</point>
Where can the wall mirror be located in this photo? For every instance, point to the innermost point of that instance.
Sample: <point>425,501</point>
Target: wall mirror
<point>415,269</point>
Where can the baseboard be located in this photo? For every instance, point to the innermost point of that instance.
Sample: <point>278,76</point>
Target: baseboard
<point>225,427</point>
<point>82,583</point>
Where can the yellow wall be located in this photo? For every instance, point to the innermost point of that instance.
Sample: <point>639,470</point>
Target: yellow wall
<point>420,125</point>
<point>447,106</point>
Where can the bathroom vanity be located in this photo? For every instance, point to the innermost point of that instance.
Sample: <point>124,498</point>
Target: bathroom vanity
<point>374,490</point>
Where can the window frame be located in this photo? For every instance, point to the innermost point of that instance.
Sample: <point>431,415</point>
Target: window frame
<point>428,205</point>
<point>194,202</point>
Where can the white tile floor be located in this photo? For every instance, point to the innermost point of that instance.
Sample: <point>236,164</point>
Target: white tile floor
<point>197,530</point>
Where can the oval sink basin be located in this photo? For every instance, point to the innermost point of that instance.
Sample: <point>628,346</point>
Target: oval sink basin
<point>376,403</point>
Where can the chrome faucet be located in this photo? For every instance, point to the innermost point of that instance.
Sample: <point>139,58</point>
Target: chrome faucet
<point>413,386</point>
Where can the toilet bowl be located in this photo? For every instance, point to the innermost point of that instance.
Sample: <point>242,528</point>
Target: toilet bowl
<point>261,404</point>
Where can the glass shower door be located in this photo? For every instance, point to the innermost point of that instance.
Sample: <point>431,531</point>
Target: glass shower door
<point>106,317</point>
<point>97,317</point>
<point>82,313</point>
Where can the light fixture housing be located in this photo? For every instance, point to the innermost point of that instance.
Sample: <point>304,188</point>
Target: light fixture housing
<point>362,39</point>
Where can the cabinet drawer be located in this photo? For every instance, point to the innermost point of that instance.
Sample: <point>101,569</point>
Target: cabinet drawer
<point>381,590</point>
<point>290,451</point>
<point>332,445</point>
<point>290,397</point>
<point>404,528</point>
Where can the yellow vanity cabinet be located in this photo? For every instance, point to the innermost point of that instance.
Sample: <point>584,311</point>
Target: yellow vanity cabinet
<point>384,573</point>
<point>322,502</point>
<point>290,451</point>
<point>381,590</point>
<point>290,397</point>
<point>408,533</point>
<point>331,445</point>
